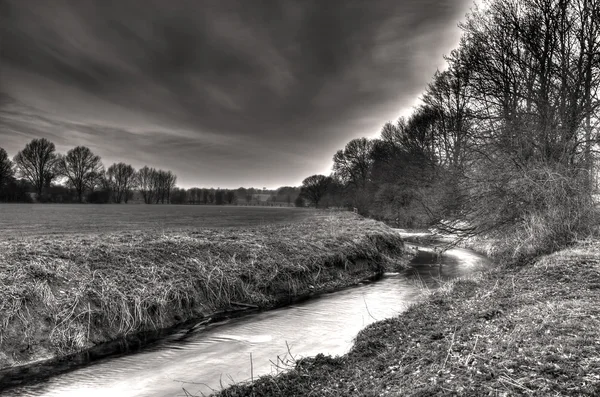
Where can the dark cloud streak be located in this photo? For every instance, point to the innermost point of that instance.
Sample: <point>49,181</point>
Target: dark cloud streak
<point>278,83</point>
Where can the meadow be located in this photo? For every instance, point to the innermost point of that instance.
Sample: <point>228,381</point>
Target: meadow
<point>26,220</point>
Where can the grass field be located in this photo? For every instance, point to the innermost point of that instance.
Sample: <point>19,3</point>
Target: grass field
<point>23,220</point>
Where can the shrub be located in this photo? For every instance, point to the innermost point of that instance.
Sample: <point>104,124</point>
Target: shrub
<point>534,210</point>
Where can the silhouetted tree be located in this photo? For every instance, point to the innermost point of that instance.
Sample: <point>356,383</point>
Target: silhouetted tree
<point>36,162</point>
<point>6,169</point>
<point>81,168</point>
<point>314,188</point>
<point>287,194</point>
<point>163,183</point>
<point>230,196</point>
<point>353,164</point>
<point>121,180</point>
<point>219,197</point>
<point>171,180</point>
<point>146,183</point>
<point>194,195</point>
<point>179,196</point>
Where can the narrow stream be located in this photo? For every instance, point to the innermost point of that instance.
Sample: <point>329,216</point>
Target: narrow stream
<point>237,349</point>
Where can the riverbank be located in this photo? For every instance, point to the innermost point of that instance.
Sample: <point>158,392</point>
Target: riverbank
<point>62,295</point>
<point>528,330</point>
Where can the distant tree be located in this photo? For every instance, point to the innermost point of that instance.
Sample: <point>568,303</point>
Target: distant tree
<point>219,197</point>
<point>194,195</point>
<point>146,181</point>
<point>160,183</point>
<point>171,180</point>
<point>96,180</point>
<point>240,193</point>
<point>179,196</point>
<point>205,194</point>
<point>36,163</point>
<point>299,202</point>
<point>81,167</point>
<point>164,182</point>
<point>353,164</point>
<point>120,178</point>
<point>6,169</point>
<point>287,194</point>
<point>230,196</point>
<point>314,188</point>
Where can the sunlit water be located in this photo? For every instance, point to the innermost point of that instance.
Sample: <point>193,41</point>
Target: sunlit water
<point>237,349</point>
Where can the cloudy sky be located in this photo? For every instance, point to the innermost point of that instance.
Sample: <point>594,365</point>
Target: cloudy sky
<point>225,93</point>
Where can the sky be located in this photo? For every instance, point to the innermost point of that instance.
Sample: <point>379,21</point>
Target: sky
<point>225,93</point>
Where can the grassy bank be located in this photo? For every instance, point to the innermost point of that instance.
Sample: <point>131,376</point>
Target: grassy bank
<point>528,330</point>
<point>64,294</point>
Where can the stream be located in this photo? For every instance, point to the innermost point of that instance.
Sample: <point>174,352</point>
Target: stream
<point>238,349</point>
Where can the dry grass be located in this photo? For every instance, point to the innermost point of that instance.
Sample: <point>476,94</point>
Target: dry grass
<point>532,330</point>
<point>62,295</point>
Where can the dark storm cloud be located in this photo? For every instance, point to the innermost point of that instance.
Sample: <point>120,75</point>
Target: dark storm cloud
<point>222,92</point>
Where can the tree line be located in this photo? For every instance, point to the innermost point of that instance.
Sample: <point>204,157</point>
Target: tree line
<point>506,134</point>
<point>283,196</point>
<point>82,175</point>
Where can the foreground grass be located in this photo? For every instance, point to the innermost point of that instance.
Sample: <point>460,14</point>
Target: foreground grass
<point>63,295</point>
<point>532,330</point>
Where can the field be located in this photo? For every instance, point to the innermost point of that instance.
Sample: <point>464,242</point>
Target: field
<point>23,220</point>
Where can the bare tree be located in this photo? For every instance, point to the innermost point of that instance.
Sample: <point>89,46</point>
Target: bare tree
<point>120,179</point>
<point>6,168</point>
<point>36,163</point>
<point>146,181</point>
<point>447,97</point>
<point>162,184</point>
<point>535,70</point>
<point>314,188</point>
<point>170,181</point>
<point>81,167</point>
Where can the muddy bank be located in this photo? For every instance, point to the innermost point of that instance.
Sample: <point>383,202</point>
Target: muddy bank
<point>67,295</point>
